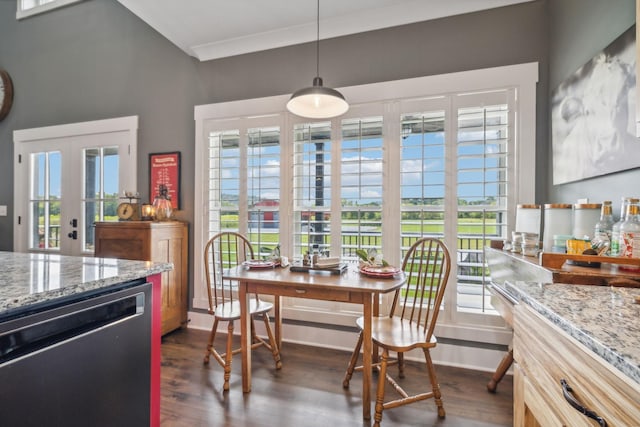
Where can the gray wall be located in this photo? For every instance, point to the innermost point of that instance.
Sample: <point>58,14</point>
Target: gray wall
<point>96,60</point>
<point>92,61</point>
<point>579,29</point>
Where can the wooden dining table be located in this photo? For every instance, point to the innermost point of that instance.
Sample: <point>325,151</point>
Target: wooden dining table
<point>350,286</point>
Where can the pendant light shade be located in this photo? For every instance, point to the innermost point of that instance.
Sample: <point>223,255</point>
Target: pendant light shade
<point>317,101</point>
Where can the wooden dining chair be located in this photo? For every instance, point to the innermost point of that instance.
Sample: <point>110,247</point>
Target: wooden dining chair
<point>410,324</point>
<point>223,251</point>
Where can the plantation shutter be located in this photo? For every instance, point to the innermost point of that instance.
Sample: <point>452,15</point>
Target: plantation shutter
<point>483,143</point>
<point>361,177</point>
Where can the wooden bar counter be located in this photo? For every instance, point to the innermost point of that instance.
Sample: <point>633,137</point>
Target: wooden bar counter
<point>575,348</point>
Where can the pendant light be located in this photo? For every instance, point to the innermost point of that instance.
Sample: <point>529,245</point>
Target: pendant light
<point>317,101</point>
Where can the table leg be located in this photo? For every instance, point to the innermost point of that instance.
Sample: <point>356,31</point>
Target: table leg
<point>245,336</point>
<point>376,313</point>
<point>277,320</point>
<point>366,358</point>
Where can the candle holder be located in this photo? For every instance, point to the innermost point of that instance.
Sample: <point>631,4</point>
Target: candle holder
<point>148,212</point>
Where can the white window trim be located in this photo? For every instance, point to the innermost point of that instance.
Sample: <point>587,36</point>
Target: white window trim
<point>523,77</point>
<point>25,13</point>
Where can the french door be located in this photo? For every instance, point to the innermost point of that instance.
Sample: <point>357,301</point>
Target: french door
<point>66,178</point>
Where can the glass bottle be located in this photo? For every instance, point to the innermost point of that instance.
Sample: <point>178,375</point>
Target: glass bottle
<point>615,230</point>
<point>604,226</point>
<point>630,231</point>
<point>162,204</point>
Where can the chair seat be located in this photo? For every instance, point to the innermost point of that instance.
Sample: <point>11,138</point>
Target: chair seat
<point>231,310</point>
<point>397,334</point>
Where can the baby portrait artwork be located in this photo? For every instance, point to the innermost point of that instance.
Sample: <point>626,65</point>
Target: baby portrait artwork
<point>593,115</point>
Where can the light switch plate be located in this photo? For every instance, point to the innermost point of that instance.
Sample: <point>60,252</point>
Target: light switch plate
<point>3,210</point>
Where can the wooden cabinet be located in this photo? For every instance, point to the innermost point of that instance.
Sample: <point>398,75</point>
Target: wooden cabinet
<point>544,355</point>
<point>152,241</point>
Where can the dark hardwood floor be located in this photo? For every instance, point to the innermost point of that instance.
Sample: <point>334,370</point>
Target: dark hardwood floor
<point>308,391</point>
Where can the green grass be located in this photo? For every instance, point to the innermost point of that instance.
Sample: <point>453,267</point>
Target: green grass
<point>470,227</point>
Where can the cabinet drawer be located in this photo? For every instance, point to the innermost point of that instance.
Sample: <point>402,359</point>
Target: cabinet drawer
<point>546,355</point>
<point>537,411</point>
<point>309,292</point>
<point>126,243</point>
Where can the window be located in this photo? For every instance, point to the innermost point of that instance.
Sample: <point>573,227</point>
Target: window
<point>484,147</point>
<point>443,159</point>
<point>312,165</point>
<point>361,185</point>
<point>224,181</point>
<point>263,189</point>
<point>422,175</point>
<point>244,183</point>
<point>356,179</point>
<point>28,8</point>
<point>472,129</point>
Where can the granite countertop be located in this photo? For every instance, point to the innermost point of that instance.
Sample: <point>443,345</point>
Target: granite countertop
<point>603,318</point>
<point>29,279</point>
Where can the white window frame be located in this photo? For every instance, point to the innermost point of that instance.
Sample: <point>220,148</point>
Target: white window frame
<point>522,77</point>
<point>41,7</point>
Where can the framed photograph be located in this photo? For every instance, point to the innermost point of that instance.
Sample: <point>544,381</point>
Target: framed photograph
<point>593,115</point>
<point>164,170</point>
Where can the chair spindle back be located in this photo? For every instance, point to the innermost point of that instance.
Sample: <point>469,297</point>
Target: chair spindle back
<point>426,265</point>
<point>223,251</point>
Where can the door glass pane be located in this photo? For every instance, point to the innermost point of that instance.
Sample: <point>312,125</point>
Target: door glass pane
<point>45,200</point>
<point>100,192</point>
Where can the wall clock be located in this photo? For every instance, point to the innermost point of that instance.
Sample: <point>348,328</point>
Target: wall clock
<point>6,93</point>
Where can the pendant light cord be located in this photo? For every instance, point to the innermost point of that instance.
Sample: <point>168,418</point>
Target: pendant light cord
<point>318,41</point>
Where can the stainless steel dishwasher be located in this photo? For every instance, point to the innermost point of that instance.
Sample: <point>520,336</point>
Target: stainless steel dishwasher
<point>79,363</point>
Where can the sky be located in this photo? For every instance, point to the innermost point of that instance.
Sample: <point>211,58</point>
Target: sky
<point>55,181</point>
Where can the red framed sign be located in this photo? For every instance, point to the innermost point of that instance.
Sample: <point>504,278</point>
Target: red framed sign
<point>164,169</point>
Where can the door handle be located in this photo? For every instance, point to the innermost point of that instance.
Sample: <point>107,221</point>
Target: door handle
<point>73,235</point>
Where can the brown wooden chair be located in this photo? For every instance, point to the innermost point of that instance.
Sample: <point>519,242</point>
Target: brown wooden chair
<point>410,323</point>
<point>226,250</point>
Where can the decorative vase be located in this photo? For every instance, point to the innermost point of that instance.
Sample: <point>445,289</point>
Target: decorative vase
<point>162,204</point>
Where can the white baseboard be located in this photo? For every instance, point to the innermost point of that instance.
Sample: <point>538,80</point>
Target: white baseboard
<point>477,358</point>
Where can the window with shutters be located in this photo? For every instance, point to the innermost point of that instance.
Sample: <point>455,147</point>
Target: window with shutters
<point>442,159</point>
<point>455,152</point>
<point>484,148</point>
<point>224,181</point>
<point>263,189</point>
<point>312,162</point>
<point>361,178</point>
<point>244,183</point>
